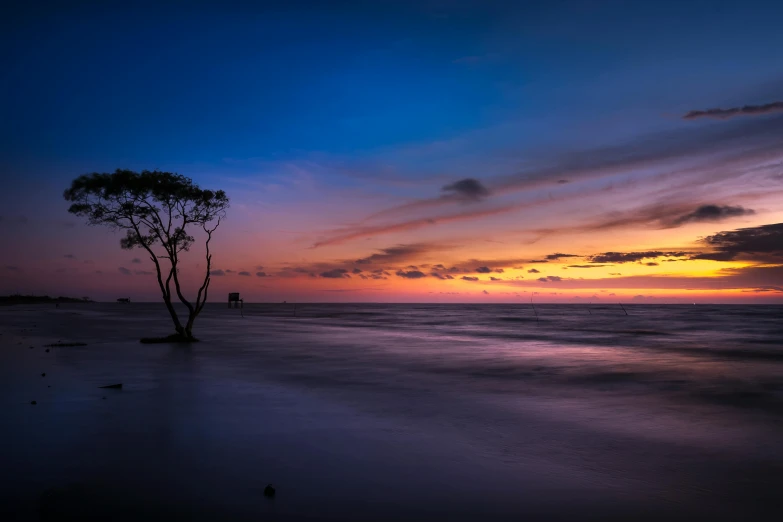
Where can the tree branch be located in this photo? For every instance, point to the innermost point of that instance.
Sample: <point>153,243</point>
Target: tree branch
<point>205,285</point>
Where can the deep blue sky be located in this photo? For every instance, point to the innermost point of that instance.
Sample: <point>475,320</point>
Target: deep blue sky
<point>197,85</point>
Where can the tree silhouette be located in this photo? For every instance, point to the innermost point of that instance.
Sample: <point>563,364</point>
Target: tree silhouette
<point>156,209</point>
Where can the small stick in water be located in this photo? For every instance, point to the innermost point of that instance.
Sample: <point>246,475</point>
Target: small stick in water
<point>621,306</point>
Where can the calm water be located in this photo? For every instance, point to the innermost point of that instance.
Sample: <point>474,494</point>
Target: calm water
<point>370,412</point>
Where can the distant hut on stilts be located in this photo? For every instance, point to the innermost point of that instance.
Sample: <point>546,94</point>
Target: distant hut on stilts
<point>234,301</point>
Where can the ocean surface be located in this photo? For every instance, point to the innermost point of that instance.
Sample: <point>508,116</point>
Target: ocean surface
<point>394,412</point>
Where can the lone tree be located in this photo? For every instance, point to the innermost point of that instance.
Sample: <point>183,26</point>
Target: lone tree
<point>156,210</point>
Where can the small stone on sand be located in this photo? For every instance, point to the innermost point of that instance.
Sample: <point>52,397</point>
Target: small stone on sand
<point>33,403</point>
<point>269,491</point>
<point>43,374</point>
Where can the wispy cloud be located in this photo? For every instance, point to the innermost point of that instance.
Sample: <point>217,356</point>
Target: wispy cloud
<point>411,274</point>
<point>713,213</point>
<point>724,114</point>
<point>467,190</point>
<point>337,273</point>
<point>765,289</point>
<point>348,234</point>
<point>631,257</point>
<point>556,256</point>
<point>398,254</point>
<point>657,216</point>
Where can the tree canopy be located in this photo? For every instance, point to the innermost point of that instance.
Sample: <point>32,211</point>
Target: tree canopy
<point>156,210</point>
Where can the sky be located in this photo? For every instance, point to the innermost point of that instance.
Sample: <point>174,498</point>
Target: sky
<point>427,151</point>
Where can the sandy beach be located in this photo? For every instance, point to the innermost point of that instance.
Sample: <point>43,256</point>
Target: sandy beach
<point>345,426</point>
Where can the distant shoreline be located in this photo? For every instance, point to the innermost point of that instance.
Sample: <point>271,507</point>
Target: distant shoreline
<point>40,299</point>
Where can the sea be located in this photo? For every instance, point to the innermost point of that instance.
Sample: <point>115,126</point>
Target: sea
<point>393,412</point>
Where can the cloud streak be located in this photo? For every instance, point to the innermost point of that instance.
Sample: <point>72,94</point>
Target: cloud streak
<point>336,273</point>
<point>631,257</point>
<point>713,213</point>
<point>724,114</point>
<point>406,226</point>
<point>556,256</point>
<point>412,274</point>
<point>396,254</point>
<point>466,190</point>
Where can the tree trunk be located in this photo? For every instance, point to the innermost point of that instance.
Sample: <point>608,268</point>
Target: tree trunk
<point>188,333</point>
<point>177,325</point>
